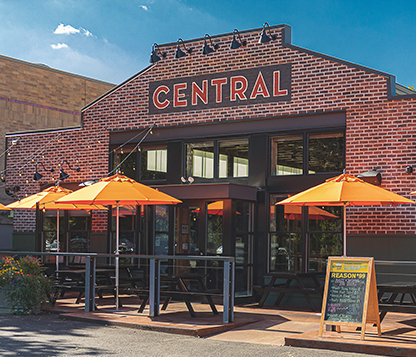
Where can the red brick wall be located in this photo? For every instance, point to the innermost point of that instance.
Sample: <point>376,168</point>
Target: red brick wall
<point>378,133</point>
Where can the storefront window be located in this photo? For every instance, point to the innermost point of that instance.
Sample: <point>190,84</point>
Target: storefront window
<point>326,152</point>
<point>243,248</point>
<point>186,230</point>
<point>287,155</point>
<point>285,236</point>
<point>50,243</point>
<point>325,235</point>
<point>125,162</point>
<point>233,159</point>
<point>200,159</point>
<point>154,164</point>
<point>79,237</point>
<point>323,232</point>
<point>215,226</point>
<point>162,230</point>
<point>127,220</point>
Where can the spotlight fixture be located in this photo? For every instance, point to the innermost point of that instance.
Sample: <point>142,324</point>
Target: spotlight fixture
<point>371,176</point>
<point>179,53</point>
<point>156,54</point>
<point>264,38</point>
<point>206,50</point>
<point>190,179</point>
<point>12,191</point>
<point>62,174</point>
<point>88,183</point>
<point>36,175</point>
<point>234,43</point>
<point>409,169</point>
<point>183,179</point>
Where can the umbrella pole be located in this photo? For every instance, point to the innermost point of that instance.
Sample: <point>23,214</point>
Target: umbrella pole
<point>117,251</point>
<point>57,241</point>
<point>344,215</point>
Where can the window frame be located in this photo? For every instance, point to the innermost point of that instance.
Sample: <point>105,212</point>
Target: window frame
<point>138,158</point>
<point>305,135</point>
<point>216,143</point>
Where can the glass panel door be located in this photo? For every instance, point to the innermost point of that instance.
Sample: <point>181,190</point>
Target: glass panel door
<point>243,248</point>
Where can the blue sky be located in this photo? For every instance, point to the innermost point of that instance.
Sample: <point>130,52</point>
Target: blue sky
<point>112,40</point>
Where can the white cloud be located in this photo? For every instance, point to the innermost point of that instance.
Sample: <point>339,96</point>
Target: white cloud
<point>86,32</point>
<point>59,46</point>
<point>144,7</point>
<point>65,30</point>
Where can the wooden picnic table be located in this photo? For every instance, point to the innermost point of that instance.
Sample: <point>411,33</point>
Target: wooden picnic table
<point>177,287</point>
<point>74,280</point>
<point>292,283</point>
<point>391,297</point>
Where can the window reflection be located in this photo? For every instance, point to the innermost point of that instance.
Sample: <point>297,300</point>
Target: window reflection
<point>285,236</point>
<point>162,230</point>
<point>323,229</point>
<point>200,159</point>
<point>287,155</point>
<point>233,158</point>
<point>153,163</point>
<point>127,220</point>
<point>215,212</point>
<point>127,161</point>
<point>325,235</point>
<point>326,152</point>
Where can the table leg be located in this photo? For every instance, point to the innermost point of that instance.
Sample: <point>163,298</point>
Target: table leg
<point>144,303</point>
<point>282,294</point>
<point>390,300</point>
<point>211,303</point>
<point>189,306</point>
<point>310,302</point>
<point>263,298</point>
<point>166,303</point>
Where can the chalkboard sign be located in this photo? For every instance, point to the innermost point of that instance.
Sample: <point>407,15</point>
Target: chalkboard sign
<point>350,296</point>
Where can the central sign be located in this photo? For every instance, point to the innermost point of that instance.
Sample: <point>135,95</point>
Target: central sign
<point>224,89</point>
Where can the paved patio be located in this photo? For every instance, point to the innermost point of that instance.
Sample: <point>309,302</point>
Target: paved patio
<point>268,325</point>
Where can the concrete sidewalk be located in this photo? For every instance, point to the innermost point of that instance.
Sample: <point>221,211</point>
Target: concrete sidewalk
<point>270,325</point>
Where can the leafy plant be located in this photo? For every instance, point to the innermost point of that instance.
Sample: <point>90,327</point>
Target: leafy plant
<point>26,288</point>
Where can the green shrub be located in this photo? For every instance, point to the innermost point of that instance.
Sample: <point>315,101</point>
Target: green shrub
<point>26,288</point>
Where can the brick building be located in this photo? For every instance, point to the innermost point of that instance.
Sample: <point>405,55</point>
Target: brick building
<point>36,97</point>
<point>233,132</point>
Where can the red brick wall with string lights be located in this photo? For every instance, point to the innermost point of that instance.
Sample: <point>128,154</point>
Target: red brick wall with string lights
<point>379,130</point>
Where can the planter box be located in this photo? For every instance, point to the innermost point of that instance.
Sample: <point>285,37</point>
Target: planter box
<point>4,307</point>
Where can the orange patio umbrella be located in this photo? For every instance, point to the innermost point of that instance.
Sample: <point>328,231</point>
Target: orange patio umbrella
<point>4,208</point>
<point>118,190</point>
<point>345,190</point>
<point>47,200</point>
<point>295,213</point>
<point>214,208</point>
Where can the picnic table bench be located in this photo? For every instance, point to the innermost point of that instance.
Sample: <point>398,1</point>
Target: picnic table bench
<point>290,283</point>
<point>176,288</point>
<point>74,280</point>
<point>391,298</point>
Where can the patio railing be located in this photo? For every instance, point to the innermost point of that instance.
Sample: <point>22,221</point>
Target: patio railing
<point>224,267</point>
